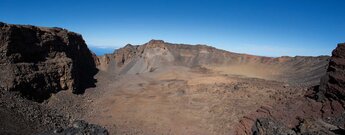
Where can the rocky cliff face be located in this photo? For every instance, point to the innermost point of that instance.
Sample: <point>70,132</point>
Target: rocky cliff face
<point>333,83</point>
<point>38,61</point>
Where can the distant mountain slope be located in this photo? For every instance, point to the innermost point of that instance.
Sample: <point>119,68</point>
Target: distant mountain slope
<point>157,54</point>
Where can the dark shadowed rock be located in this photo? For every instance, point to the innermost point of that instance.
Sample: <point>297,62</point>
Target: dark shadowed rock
<point>38,61</point>
<point>270,126</point>
<point>333,83</point>
<point>79,127</point>
<point>22,116</point>
<point>267,126</point>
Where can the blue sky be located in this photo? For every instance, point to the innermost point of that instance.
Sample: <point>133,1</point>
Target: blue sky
<point>261,27</point>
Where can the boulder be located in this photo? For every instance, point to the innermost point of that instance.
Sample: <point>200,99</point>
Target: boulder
<point>267,126</point>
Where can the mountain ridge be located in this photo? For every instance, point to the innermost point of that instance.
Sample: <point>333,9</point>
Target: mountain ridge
<point>157,53</point>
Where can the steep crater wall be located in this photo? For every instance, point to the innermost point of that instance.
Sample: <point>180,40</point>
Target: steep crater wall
<point>38,61</point>
<point>156,54</point>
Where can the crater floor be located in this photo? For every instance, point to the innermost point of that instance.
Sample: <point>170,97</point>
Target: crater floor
<point>175,100</point>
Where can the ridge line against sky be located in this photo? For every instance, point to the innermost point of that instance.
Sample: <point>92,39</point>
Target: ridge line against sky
<point>265,27</point>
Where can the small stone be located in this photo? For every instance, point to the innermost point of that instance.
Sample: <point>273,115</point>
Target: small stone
<point>79,124</point>
<point>58,130</point>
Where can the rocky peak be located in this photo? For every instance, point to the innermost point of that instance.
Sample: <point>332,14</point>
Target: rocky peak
<point>128,46</point>
<point>155,43</point>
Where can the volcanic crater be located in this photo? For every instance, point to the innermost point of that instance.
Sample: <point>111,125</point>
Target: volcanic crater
<point>51,83</point>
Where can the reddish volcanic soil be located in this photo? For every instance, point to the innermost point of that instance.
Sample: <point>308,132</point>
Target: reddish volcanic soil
<point>181,100</point>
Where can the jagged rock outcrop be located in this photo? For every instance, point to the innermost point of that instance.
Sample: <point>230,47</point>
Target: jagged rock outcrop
<point>331,91</point>
<point>38,61</point>
<point>333,83</point>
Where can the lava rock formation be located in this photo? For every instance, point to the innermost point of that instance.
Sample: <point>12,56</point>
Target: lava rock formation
<point>333,83</point>
<point>38,61</point>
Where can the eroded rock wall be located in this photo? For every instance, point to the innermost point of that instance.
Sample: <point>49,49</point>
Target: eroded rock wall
<point>38,61</point>
<point>333,83</point>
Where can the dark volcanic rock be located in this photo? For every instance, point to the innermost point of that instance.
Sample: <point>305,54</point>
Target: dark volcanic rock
<point>267,126</point>
<point>34,63</point>
<point>38,61</point>
<point>79,127</point>
<point>332,89</point>
<point>333,83</point>
<point>22,116</point>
